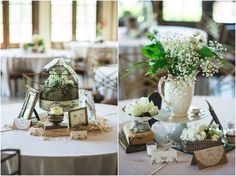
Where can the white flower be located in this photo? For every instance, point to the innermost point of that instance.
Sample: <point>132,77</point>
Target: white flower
<point>201,133</point>
<point>141,106</point>
<point>215,137</point>
<point>56,110</point>
<point>184,50</point>
<point>202,128</point>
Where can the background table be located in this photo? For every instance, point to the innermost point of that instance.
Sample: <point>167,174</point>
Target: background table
<point>17,60</point>
<point>91,50</point>
<point>140,163</point>
<point>96,155</point>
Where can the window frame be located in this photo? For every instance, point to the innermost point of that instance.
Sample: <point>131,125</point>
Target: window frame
<point>6,29</point>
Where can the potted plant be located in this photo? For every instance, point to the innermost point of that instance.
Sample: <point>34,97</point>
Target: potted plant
<point>182,57</point>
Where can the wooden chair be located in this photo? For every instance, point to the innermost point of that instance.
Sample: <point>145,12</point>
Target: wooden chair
<point>15,77</point>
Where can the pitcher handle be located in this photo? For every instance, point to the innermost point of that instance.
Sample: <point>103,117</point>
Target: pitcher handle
<point>161,91</point>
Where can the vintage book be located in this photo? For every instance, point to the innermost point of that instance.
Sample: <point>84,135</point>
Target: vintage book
<point>130,148</point>
<point>137,138</point>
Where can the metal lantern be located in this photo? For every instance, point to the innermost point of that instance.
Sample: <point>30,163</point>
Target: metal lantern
<point>58,86</point>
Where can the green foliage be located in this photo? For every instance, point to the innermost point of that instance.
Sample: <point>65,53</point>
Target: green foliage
<point>205,52</point>
<point>173,60</point>
<point>136,66</point>
<point>153,51</point>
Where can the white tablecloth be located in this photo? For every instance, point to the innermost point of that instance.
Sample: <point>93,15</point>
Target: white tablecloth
<point>140,163</point>
<point>16,60</point>
<point>96,155</point>
<point>88,49</point>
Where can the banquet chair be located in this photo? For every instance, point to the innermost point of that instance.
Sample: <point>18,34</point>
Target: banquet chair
<point>210,26</point>
<point>16,78</point>
<point>106,84</point>
<point>98,57</point>
<point>10,162</point>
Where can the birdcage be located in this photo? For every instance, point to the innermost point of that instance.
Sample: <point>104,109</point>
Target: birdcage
<point>58,86</point>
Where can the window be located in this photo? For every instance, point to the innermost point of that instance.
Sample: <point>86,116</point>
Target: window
<point>20,21</point>
<point>86,20</point>
<point>61,20</point>
<point>182,10</point>
<point>142,10</point>
<point>224,12</point>
<point>1,23</point>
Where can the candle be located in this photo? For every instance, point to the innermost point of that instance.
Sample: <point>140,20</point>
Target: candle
<point>150,147</point>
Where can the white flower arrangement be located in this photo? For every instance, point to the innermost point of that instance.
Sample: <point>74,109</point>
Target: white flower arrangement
<point>141,107</point>
<point>182,56</point>
<point>54,80</point>
<point>200,133</point>
<point>36,45</point>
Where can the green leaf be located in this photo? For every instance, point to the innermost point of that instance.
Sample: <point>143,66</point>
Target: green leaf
<point>159,63</point>
<point>136,66</point>
<point>205,52</point>
<point>153,51</point>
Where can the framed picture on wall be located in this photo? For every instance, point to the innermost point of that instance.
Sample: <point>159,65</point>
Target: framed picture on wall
<point>78,117</point>
<point>30,100</point>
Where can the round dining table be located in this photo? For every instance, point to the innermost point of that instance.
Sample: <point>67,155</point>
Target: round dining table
<point>140,164</point>
<point>62,156</point>
<point>19,61</point>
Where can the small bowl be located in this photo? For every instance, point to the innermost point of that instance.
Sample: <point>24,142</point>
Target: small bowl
<point>55,119</point>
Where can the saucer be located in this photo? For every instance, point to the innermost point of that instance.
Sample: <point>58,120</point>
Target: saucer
<point>164,116</point>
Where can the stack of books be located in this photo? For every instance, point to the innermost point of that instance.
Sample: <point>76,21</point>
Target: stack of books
<point>134,142</point>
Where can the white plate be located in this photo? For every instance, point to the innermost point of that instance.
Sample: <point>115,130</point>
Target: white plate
<point>164,116</point>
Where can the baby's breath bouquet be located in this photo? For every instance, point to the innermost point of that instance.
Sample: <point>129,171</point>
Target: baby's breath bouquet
<point>183,57</point>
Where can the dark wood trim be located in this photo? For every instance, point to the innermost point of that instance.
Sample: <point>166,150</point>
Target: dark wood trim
<point>99,12</point>
<point>5,10</point>
<point>74,4</point>
<point>35,17</point>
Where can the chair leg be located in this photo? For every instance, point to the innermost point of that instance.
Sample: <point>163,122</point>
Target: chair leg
<point>16,87</point>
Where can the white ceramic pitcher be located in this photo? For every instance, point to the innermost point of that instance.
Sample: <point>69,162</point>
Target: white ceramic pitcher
<point>178,103</point>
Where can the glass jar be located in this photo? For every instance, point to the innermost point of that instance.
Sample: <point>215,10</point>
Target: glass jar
<point>58,86</point>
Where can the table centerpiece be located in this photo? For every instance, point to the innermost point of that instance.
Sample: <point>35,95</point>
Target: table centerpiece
<point>201,137</point>
<point>182,57</point>
<point>58,86</point>
<point>55,115</point>
<point>141,109</point>
<point>37,45</point>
